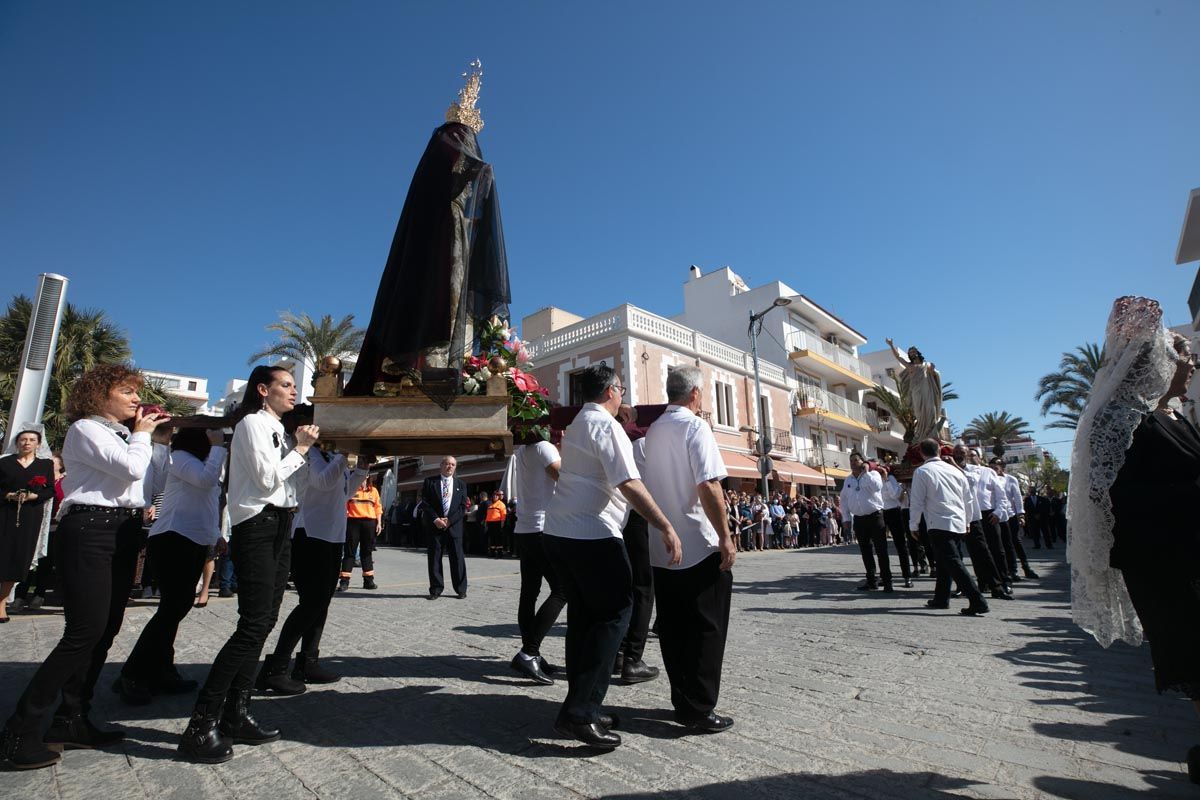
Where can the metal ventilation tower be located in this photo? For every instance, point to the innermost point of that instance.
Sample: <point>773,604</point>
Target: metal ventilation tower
<point>37,358</point>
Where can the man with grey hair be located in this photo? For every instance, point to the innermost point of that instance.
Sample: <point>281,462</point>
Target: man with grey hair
<point>683,472</point>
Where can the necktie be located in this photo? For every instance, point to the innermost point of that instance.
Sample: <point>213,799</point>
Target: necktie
<point>445,496</point>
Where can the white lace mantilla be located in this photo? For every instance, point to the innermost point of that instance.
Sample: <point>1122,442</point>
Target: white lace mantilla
<point>1139,362</point>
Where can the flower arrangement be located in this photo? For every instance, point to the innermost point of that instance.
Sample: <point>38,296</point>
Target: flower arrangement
<point>500,347</point>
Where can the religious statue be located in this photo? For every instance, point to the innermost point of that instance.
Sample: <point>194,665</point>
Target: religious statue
<point>920,387</point>
<point>447,267</point>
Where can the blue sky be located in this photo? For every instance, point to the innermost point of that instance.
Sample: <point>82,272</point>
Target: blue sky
<point>981,178</point>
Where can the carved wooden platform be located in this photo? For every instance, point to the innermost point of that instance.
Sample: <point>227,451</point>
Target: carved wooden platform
<point>413,425</point>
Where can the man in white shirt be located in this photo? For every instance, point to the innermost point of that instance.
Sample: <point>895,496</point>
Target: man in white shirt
<point>893,517</point>
<point>862,507</point>
<point>981,495</point>
<point>1016,519</point>
<point>535,472</point>
<point>940,495</point>
<point>597,480</point>
<point>683,473</point>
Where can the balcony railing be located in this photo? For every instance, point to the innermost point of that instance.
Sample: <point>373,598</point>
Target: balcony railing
<point>781,440</point>
<point>883,422</point>
<point>810,397</point>
<point>815,344</point>
<point>631,319</point>
<point>830,459</point>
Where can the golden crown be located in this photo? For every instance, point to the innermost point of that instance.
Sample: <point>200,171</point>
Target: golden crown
<point>464,110</point>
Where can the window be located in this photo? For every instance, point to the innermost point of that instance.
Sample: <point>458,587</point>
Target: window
<point>724,393</point>
<point>842,444</point>
<point>192,386</point>
<point>575,397</point>
<point>818,439</point>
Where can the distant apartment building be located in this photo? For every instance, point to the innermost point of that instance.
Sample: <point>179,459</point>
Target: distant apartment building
<point>190,389</point>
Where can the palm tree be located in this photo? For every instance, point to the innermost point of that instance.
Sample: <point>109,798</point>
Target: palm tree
<point>948,393</point>
<point>1067,390</point>
<point>997,427</point>
<point>305,340</point>
<point>86,338</point>
<point>897,407</point>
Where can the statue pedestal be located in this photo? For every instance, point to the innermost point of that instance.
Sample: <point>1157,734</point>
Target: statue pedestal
<point>413,425</point>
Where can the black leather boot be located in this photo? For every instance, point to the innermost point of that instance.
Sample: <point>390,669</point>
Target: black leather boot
<point>237,724</point>
<point>307,670</point>
<point>25,752</point>
<point>78,733</point>
<point>273,676</point>
<point>203,742</point>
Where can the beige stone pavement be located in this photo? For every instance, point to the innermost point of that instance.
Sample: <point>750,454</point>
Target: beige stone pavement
<point>836,694</point>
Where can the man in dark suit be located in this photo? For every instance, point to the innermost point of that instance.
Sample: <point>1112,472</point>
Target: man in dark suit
<point>443,507</point>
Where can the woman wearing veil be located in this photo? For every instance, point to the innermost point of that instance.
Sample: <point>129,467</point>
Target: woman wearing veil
<point>1133,542</point>
<point>26,483</point>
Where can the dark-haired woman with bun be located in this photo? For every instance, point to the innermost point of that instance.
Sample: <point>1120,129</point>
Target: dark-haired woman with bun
<point>262,504</point>
<point>97,540</point>
<point>184,532</point>
<point>26,483</point>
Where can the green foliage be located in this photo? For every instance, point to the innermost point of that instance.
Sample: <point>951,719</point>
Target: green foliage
<point>86,338</point>
<point>1042,474</point>
<point>994,426</point>
<point>1064,393</point>
<point>305,340</point>
<point>948,393</point>
<point>897,406</point>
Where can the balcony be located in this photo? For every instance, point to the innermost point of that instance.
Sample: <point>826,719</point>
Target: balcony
<point>781,441</point>
<point>835,462</point>
<point>884,423</point>
<point>828,360</point>
<point>831,408</point>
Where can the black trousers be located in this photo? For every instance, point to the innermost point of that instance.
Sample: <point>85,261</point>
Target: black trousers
<point>993,533</point>
<point>453,544</point>
<point>693,616</point>
<point>982,565</point>
<point>871,534</point>
<point>360,537</point>
<point>97,556</point>
<point>535,567</point>
<point>1016,546</point>
<point>179,564</point>
<point>950,567</point>
<point>894,519</point>
<point>315,573</point>
<point>637,547</point>
<point>262,552</point>
<point>599,587</point>
<point>495,535</point>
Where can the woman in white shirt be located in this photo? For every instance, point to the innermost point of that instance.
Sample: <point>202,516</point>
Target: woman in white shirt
<point>97,540</point>
<point>316,560</point>
<point>182,534</point>
<point>261,504</point>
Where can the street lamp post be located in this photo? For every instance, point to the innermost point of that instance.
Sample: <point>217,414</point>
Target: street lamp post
<point>764,441</point>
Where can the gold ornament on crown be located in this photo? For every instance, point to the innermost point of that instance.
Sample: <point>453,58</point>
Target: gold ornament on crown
<point>464,110</point>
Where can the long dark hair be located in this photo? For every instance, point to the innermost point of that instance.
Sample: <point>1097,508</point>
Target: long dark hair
<point>251,400</point>
<point>192,440</point>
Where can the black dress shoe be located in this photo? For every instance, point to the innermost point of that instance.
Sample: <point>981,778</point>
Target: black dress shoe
<point>887,589</point>
<point>203,742</point>
<point>461,595</point>
<point>434,595</point>
<point>638,672</point>
<point>709,723</point>
<point>592,734</point>
<point>908,584</point>
<point>25,752</point>
<point>1031,575</point>
<point>369,582</point>
<point>78,733</point>
<point>1014,578</point>
<point>531,668</point>
<point>936,604</point>
<point>548,668</point>
<point>868,586</point>
<point>974,610</point>
<point>225,593</point>
<point>131,692</point>
<point>1002,593</point>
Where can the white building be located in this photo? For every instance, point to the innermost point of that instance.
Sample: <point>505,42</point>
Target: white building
<point>191,389</point>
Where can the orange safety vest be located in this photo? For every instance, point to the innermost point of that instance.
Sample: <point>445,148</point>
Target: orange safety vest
<point>364,505</point>
<point>496,512</point>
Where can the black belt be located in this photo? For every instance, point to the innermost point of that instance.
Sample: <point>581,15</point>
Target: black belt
<point>865,516</point>
<point>118,511</point>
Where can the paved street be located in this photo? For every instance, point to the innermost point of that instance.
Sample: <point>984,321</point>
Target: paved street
<point>836,695</point>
